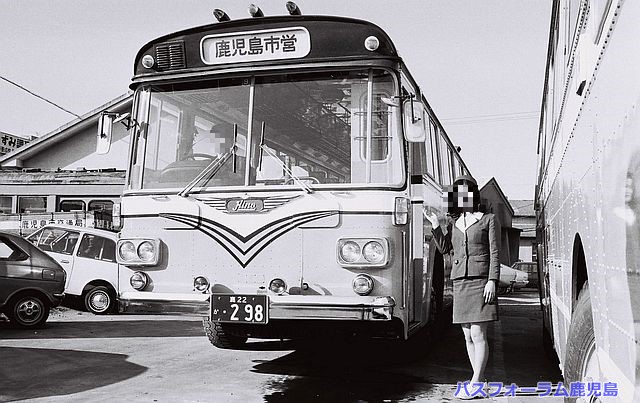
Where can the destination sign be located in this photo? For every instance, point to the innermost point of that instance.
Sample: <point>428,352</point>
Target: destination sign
<point>269,44</point>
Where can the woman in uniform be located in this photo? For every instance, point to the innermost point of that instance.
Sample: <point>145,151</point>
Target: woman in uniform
<point>472,238</point>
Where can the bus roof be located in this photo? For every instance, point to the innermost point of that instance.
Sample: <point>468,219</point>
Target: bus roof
<point>263,41</point>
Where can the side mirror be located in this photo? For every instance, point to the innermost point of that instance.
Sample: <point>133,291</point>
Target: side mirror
<point>105,127</point>
<point>414,129</point>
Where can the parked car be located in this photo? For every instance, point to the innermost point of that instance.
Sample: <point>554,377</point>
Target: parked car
<point>511,279</point>
<point>31,282</point>
<point>531,268</point>
<point>88,255</point>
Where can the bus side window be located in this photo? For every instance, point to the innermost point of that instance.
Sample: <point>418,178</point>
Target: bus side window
<point>431,149</point>
<point>445,162</point>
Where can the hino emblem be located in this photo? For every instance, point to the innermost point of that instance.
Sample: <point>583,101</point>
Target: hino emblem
<point>245,205</point>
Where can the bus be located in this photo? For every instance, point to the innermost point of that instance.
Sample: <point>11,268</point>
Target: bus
<point>588,193</point>
<point>279,167</point>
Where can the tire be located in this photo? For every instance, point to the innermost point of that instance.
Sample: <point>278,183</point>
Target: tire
<point>581,363</point>
<point>28,311</point>
<point>221,338</point>
<point>99,300</point>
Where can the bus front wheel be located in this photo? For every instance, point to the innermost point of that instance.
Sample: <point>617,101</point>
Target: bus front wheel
<point>220,336</point>
<point>581,364</point>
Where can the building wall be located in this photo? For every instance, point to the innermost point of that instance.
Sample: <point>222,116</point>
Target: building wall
<point>79,151</point>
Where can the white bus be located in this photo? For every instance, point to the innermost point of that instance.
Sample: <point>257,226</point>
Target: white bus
<point>588,193</point>
<point>279,167</point>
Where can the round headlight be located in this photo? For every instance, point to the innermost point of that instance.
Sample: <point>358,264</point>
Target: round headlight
<point>373,252</point>
<point>278,286</point>
<point>201,283</point>
<point>148,61</point>
<point>139,280</point>
<point>146,251</point>
<point>362,284</point>
<point>350,251</point>
<point>127,251</point>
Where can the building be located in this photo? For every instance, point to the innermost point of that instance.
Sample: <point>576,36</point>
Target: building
<point>61,170</point>
<point>494,201</point>
<point>524,218</point>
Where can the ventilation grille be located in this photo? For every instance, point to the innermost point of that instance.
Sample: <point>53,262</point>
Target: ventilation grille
<point>170,56</point>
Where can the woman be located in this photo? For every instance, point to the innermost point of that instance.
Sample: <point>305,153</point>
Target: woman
<point>472,237</point>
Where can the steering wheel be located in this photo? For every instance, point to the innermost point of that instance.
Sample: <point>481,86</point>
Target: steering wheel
<point>205,156</point>
<point>302,178</point>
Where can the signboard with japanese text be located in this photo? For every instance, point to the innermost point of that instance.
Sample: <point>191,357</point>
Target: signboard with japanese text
<point>270,44</point>
<point>25,224</point>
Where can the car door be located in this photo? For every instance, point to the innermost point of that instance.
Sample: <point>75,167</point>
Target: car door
<point>95,260</point>
<point>59,243</point>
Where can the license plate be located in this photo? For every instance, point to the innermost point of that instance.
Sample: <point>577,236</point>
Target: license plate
<point>239,308</point>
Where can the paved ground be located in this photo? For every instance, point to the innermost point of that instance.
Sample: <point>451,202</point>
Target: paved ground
<point>80,357</point>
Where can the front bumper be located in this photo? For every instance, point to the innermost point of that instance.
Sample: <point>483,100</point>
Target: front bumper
<point>370,308</point>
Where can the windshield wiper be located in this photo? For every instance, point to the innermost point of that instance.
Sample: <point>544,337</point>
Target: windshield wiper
<point>208,172</point>
<point>293,176</point>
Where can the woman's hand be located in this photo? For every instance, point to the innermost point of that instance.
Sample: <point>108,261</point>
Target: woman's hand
<point>432,217</point>
<point>489,291</point>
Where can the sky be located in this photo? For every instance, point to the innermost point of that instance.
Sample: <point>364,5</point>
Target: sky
<point>479,63</point>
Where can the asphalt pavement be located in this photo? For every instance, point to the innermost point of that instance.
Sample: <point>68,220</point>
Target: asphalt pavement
<point>80,357</point>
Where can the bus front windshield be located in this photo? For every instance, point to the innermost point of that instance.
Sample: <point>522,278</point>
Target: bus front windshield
<point>314,130</point>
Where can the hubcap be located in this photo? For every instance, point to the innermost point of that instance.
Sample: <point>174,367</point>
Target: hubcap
<point>29,311</point>
<point>99,301</point>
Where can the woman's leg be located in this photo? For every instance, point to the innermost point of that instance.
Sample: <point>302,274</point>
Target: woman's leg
<point>478,333</point>
<point>466,329</point>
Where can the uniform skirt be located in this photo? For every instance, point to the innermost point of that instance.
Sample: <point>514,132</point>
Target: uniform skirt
<point>468,301</point>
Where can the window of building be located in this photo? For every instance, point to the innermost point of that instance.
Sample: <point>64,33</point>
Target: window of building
<point>100,205</point>
<point>72,205</point>
<point>32,204</point>
<point>5,204</point>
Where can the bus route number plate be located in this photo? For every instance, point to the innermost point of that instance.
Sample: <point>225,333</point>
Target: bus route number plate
<point>239,308</point>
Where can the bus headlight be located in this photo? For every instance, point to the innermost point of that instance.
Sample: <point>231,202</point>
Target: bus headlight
<point>373,252</point>
<point>139,280</point>
<point>138,252</point>
<point>363,252</point>
<point>146,251</point>
<point>349,251</point>
<point>362,284</point>
<point>127,251</point>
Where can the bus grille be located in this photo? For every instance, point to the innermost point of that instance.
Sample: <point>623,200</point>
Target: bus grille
<point>170,56</point>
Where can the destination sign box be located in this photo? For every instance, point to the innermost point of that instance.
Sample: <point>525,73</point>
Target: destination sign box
<point>252,46</point>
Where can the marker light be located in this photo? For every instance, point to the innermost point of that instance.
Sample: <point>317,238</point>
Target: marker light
<point>350,251</point>
<point>293,8</point>
<point>220,15</point>
<point>201,283</point>
<point>371,43</point>
<point>148,61</point>
<point>362,284</point>
<point>373,252</point>
<point>255,11</point>
<point>139,280</point>
<point>278,286</point>
<point>401,211</point>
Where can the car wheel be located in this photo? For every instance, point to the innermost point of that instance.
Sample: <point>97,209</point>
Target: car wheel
<point>220,337</point>
<point>99,300</point>
<point>581,362</point>
<point>28,311</point>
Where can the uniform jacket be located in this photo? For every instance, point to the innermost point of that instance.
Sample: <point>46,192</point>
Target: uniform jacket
<point>475,251</point>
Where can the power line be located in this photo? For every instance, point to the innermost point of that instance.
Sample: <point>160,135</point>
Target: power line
<point>499,117</point>
<point>38,96</point>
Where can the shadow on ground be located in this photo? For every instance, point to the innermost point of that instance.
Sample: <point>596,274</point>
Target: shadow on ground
<point>377,371</point>
<point>27,373</point>
<point>106,329</point>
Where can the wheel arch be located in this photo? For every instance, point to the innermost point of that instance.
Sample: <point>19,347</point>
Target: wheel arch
<point>28,291</point>
<point>97,283</point>
<point>579,276</point>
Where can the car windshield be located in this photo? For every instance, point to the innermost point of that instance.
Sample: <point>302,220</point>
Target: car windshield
<point>295,130</point>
